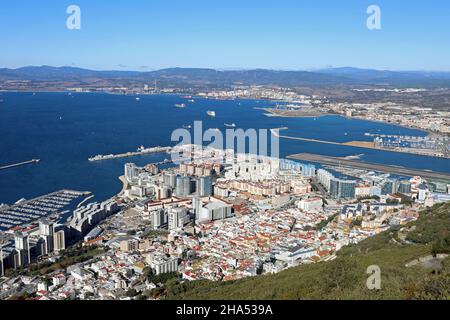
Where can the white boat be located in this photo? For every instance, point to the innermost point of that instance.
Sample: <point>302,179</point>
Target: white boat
<point>137,99</point>
<point>232,125</point>
<point>211,113</point>
<point>182,105</point>
<point>187,127</point>
<point>356,157</point>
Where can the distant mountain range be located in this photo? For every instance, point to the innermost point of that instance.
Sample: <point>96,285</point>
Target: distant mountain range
<point>188,76</point>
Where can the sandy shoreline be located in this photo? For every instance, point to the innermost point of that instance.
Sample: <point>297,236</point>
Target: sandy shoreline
<point>125,185</point>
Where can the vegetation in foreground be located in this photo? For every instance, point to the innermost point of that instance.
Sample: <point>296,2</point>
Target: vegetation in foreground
<point>346,276</point>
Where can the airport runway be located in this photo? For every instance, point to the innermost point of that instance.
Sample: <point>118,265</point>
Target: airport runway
<point>334,161</point>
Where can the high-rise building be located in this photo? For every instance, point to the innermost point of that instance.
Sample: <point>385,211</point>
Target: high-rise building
<point>375,191</point>
<point>390,186</point>
<point>404,187</point>
<point>196,206</point>
<point>46,231</point>
<point>338,188</point>
<point>290,165</point>
<point>177,218</point>
<point>159,219</point>
<point>22,246</point>
<point>59,240</point>
<point>170,179</point>
<point>423,191</point>
<point>325,178</point>
<point>184,186</point>
<point>131,171</point>
<point>204,186</point>
<point>162,192</point>
<point>308,170</point>
<point>342,189</point>
<point>2,267</point>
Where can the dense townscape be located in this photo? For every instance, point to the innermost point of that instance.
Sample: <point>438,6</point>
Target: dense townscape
<point>221,216</point>
<point>222,159</point>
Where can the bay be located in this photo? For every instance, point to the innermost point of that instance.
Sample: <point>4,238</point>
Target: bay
<point>65,130</point>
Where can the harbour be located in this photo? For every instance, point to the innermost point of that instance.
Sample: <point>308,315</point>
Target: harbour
<point>107,124</point>
<point>141,151</point>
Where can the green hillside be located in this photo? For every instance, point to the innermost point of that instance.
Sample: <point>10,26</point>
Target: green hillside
<point>346,277</point>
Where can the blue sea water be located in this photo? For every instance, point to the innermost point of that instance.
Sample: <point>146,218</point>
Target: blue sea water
<point>65,130</point>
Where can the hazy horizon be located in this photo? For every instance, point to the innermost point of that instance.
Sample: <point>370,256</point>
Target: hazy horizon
<point>226,68</point>
<point>282,35</point>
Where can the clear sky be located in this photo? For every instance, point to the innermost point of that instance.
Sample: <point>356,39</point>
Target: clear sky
<point>281,34</point>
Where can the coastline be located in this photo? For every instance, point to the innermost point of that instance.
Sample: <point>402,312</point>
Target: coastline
<point>393,124</point>
<point>125,185</point>
<point>270,114</point>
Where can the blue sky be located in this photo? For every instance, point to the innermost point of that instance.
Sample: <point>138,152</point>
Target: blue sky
<point>282,34</point>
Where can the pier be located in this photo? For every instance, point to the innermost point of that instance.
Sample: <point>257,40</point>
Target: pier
<point>345,162</point>
<point>141,151</point>
<point>20,164</point>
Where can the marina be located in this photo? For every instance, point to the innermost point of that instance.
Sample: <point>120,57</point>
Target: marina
<point>140,151</point>
<point>27,211</point>
<point>376,145</point>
